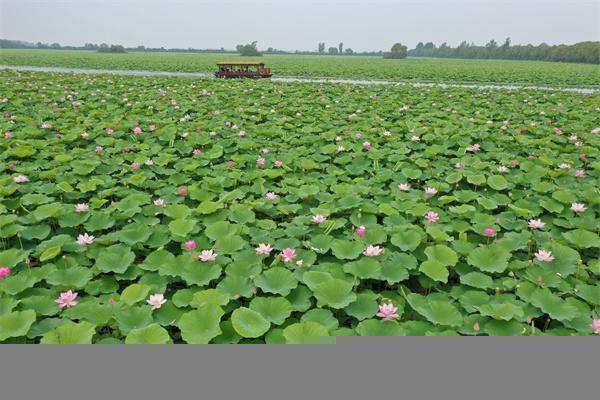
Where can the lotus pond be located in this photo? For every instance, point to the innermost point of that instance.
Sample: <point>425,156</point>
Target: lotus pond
<point>172,210</point>
<point>349,67</point>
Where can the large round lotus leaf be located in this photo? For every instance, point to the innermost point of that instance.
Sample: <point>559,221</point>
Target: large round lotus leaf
<point>200,273</point>
<point>273,309</point>
<point>156,259</point>
<point>314,278</point>
<point>364,307</point>
<point>249,323</point>
<point>152,334</point>
<point>442,254</point>
<point>406,240</point>
<point>300,298</point>
<point>489,258</point>
<point>276,280</point>
<point>209,296</point>
<point>554,306</point>
<point>178,211</point>
<point>497,182</point>
<point>16,324</point>
<point>72,277</point>
<point>436,311</point>
<point>364,268</point>
<point>322,316</point>
<point>346,249</point>
<point>115,258</point>
<point>378,327</point>
<point>134,293</point>
<point>220,230</point>
<point>434,270</point>
<point>307,333</point>
<point>582,238</point>
<point>334,293</point>
<point>70,333</point>
<point>181,228</point>
<point>12,257</point>
<point>477,279</point>
<point>129,318</point>
<point>201,325</point>
<point>503,311</point>
<point>134,233</point>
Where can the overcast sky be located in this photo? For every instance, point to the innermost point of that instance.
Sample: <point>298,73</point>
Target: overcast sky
<point>290,25</point>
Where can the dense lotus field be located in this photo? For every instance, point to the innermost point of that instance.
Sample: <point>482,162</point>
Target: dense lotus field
<point>418,69</point>
<point>164,210</point>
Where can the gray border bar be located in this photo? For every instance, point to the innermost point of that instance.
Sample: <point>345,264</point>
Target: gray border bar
<point>359,368</point>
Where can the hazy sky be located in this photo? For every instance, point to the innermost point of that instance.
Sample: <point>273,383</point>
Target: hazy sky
<point>290,25</point>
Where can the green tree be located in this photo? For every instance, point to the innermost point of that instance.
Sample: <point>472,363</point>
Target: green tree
<point>321,48</point>
<point>397,51</point>
<point>248,50</point>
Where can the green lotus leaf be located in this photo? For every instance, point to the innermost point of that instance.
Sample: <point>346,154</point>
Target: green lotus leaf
<point>249,323</point>
<point>16,324</point>
<point>70,333</point>
<point>334,293</point>
<point>276,280</point>
<point>152,334</point>
<point>115,258</point>
<point>201,325</point>
<point>489,258</point>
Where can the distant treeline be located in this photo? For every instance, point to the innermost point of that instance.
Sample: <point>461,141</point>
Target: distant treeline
<point>583,52</point>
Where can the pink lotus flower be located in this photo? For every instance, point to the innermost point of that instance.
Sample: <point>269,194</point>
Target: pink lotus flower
<point>388,312</point>
<point>99,149</point>
<point>338,139</point>
<point>564,166</point>
<point>212,133</point>
<point>229,164</point>
<point>582,155</point>
<point>595,325</point>
<point>46,125</point>
<point>135,165</point>
<point>85,135</point>
<point>57,135</point>
<point>558,131</point>
<point>8,135</point>
<point>288,254</point>
<point>264,249</point>
<point>361,231</point>
<point>579,143</point>
<point>83,207</point>
<point>208,255</point>
<point>319,219</point>
<point>85,239</point>
<point>137,130</point>
<point>372,251</point>
<point>430,191</point>
<point>367,145</point>
<point>20,179</point>
<point>242,133</point>
<point>271,196</point>
<point>502,169</point>
<point>11,165</point>
<point>265,151</point>
<point>514,163</point>
<point>67,299</point>
<point>358,135</point>
<point>278,164</point>
<point>489,232</point>
<point>149,163</point>
<point>109,131</point>
<point>184,135</point>
<point>340,149</point>
<point>572,138</point>
<point>156,301</point>
<point>544,256</point>
<point>159,202</point>
<point>459,165</point>
<point>536,224</point>
<point>190,245</point>
<point>152,128</point>
<point>432,217</point>
<point>4,272</point>
<point>475,147</point>
<point>404,187</point>
<point>580,173</point>
<point>260,161</point>
<point>415,138</point>
<point>578,207</point>
<point>387,133</point>
<point>183,191</point>
<point>197,152</point>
